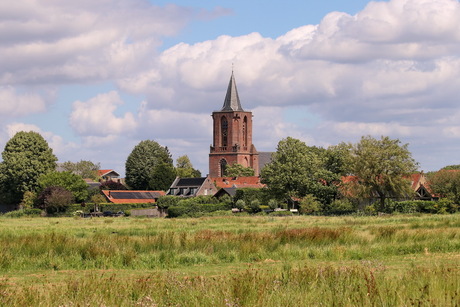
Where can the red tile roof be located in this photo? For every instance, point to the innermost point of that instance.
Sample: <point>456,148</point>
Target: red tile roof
<point>238,182</point>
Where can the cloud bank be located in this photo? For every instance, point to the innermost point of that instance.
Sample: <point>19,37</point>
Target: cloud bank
<point>391,69</point>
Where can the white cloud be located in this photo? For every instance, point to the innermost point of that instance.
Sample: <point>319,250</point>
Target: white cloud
<point>56,41</point>
<point>96,117</point>
<point>13,104</point>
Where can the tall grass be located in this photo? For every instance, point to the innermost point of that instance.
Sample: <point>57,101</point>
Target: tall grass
<point>341,261</point>
<point>356,285</point>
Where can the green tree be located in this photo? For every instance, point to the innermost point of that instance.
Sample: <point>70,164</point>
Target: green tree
<point>54,199</point>
<point>297,170</point>
<point>238,170</point>
<point>67,180</point>
<point>309,205</point>
<point>338,159</point>
<point>141,164</point>
<point>184,168</point>
<point>26,157</point>
<point>162,176</point>
<point>446,184</point>
<point>381,168</point>
<point>451,167</point>
<point>85,169</point>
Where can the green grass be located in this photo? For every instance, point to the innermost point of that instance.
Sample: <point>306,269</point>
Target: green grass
<point>231,261</point>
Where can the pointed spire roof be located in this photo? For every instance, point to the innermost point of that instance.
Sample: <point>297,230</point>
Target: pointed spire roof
<point>232,100</point>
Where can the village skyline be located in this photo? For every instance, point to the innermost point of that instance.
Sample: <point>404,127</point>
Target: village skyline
<point>95,80</point>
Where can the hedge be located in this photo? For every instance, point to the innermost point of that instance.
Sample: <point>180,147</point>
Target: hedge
<point>107,207</point>
<point>195,210</point>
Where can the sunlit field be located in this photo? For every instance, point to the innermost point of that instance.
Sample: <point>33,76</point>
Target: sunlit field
<point>393,260</point>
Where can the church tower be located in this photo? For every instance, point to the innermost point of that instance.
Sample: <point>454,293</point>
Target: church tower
<point>232,136</point>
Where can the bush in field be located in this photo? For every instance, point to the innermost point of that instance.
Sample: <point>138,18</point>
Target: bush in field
<point>167,201</point>
<point>341,206</point>
<point>254,206</point>
<point>225,199</point>
<point>442,206</point>
<point>309,205</point>
<point>240,204</point>
<point>187,209</point>
<point>273,204</point>
<point>28,200</point>
<point>54,199</point>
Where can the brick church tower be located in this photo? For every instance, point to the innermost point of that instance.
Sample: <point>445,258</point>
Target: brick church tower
<point>232,136</point>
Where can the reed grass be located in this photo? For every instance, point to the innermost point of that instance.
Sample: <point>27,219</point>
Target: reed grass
<point>231,261</point>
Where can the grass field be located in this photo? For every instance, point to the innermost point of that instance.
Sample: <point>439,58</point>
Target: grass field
<point>394,260</point>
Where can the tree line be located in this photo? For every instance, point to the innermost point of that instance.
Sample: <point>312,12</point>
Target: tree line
<point>29,176</point>
<point>318,179</point>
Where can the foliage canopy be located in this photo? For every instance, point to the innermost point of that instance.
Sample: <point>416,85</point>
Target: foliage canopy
<point>146,163</point>
<point>26,157</point>
<point>67,180</point>
<point>297,170</point>
<point>381,168</point>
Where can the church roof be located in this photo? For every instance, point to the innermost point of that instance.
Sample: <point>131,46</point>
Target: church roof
<point>232,100</point>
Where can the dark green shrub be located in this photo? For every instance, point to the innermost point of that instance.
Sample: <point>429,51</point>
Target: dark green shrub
<point>185,209</point>
<point>167,201</point>
<point>341,206</point>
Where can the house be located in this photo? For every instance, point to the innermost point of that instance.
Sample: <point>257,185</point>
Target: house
<point>108,174</point>
<point>190,187</point>
<point>132,197</point>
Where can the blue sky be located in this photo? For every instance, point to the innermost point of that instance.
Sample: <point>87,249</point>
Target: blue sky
<point>96,78</point>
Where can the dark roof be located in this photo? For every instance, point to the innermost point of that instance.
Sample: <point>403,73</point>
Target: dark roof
<point>265,157</point>
<point>230,191</point>
<point>232,100</point>
<point>134,195</point>
<point>190,182</point>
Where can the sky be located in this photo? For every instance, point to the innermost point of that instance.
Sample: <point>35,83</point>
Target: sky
<point>95,78</point>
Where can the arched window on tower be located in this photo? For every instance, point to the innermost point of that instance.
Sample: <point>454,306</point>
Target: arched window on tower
<point>224,131</point>
<point>223,168</point>
<point>245,133</point>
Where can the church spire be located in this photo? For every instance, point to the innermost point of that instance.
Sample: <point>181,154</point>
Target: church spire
<point>232,100</point>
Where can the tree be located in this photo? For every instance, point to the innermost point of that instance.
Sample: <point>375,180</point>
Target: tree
<point>309,205</point>
<point>184,168</point>
<point>26,157</point>
<point>54,199</point>
<point>162,176</point>
<point>337,159</point>
<point>446,184</point>
<point>85,169</point>
<point>238,170</point>
<point>451,167</point>
<point>297,170</point>
<point>141,171</point>
<point>381,168</point>
<point>67,180</point>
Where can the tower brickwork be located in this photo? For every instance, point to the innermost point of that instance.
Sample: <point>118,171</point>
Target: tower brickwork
<point>232,136</point>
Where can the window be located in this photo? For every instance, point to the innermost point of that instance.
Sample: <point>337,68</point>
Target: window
<point>245,132</point>
<point>224,131</point>
<point>223,167</point>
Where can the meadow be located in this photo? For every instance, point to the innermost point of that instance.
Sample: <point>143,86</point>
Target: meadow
<point>392,260</point>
